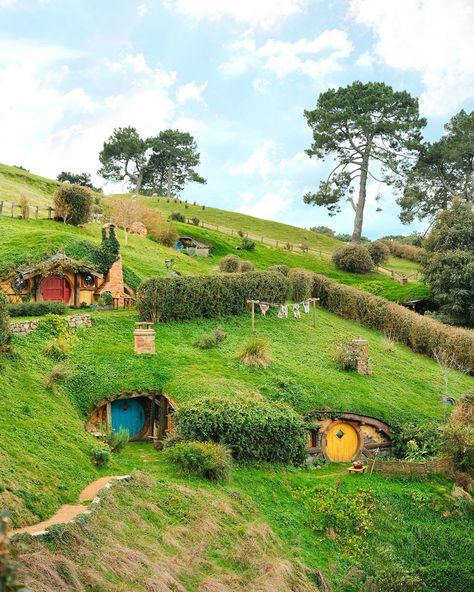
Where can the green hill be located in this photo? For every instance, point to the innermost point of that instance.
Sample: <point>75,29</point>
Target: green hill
<point>15,182</point>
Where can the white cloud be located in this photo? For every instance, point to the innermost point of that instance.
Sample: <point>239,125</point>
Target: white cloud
<point>190,92</point>
<point>432,37</point>
<point>262,13</point>
<point>260,162</point>
<point>365,60</point>
<point>6,3</point>
<point>282,58</point>
<point>142,9</point>
<point>268,206</point>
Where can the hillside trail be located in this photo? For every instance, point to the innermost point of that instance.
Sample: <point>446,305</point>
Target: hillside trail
<point>68,512</point>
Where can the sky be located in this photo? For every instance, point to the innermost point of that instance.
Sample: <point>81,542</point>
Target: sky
<point>237,74</point>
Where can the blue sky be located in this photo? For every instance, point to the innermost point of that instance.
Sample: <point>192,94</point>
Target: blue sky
<point>235,73</point>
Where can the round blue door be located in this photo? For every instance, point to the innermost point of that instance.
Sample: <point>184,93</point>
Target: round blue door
<point>128,414</point>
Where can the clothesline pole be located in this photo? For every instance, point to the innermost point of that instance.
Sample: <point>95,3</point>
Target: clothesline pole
<point>314,300</point>
<point>253,302</point>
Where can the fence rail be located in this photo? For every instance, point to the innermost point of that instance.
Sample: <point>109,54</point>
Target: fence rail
<point>12,209</point>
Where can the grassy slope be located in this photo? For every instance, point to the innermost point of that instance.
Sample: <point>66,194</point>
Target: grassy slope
<point>24,241</point>
<point>15,182</point>
<point>45,442</point>
<point>250,534</point>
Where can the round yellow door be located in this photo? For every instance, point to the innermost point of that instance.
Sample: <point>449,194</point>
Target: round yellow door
<point>342,442</point>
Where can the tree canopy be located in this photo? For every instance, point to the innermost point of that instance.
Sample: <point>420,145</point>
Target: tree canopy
<point>448,266</point>
<point>444,170</point>
<point>359,125</point>
<point>83,179</point>
<point>167,160</point>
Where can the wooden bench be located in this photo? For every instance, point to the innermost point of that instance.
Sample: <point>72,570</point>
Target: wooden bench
<point>354,470</point>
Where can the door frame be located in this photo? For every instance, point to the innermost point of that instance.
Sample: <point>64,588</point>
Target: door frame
<point>333,424</point>
<point>67,283</point>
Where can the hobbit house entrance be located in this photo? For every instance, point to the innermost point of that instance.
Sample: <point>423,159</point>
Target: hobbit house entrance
<point>145,415</point>
<point>343,437</point>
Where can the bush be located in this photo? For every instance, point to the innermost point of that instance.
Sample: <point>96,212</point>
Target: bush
<point>105,300</point>
<point>116,440</point>
<point>404,251</point>
<point>420,333</point>
<point>57,348</point>
<point>345,356</point>
<point>204,459</point>
<point>57,375</point>
<point>255,352</point>
<point>253,429</point>
<point>230,264</point>
<point>54,325</point>
<point>5,333</point>
<point>353,257</point>
<point>36,309</point>
<point>426,437</point>
<point>458,434</point>
<point>188,297</point>
<point>177,217</point>
<point>379,252</point>
<point>246,266</point>
<point>213,340</point>
<point>73,204</point>
<point>283,269</point>
<point>323,230</point>
<point>195,221</point>
<point>247,244</point>
<point>165,235</point>
<point>100,455</point>
<point>301,282</point>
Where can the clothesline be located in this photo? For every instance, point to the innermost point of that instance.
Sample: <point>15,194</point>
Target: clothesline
<point>283,309</point>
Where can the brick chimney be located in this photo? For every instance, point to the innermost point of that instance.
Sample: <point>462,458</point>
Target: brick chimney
<point>361,347</point>
<point>114,282</point>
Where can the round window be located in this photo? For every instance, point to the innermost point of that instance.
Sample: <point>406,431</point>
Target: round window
<point>88,279</point>
<point>19,284</point>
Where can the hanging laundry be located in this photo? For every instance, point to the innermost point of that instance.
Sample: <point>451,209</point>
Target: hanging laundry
<point>283,312</point>
<point>264,308</point>
<point>296,311</point>
<point>306,306</point>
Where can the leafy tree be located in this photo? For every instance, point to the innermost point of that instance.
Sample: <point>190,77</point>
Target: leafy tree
<point>125,212</point>
<point>83,179</point>
<point>444,170</point>
<point>448,266</point>
<point>153,163</point>
<point>359,125</point>
<point>73,204</point>
<point>172,163</point>
<point>323,230</point>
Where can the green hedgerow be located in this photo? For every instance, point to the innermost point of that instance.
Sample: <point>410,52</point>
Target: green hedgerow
<point>283,269</point>
<point>253,429</point>
<point>204,459</point>
<point>36,309</point>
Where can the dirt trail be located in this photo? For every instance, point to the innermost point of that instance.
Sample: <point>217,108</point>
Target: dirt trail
<point>68,512</point>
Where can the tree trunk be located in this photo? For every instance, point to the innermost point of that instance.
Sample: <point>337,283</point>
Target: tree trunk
<point>359,214</point>
<point>139,182</point>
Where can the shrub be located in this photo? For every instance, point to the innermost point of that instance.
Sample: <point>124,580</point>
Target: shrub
<point>57,348</point>
<point>73,204</point>
<point>255,352</point>
<point>177,217</point>
<point>204,459</point>
<point>165,234</point>
<point>344,237</point>
<point>283,269</point>
<point>5,333</point>
<point>403,251</point>
<point>253,429</point>
<point>422,334</point>
<point>247,244</point>
<point>36,309</point>
<point>100,455</point>
<point>195,221</point>
<point>188,297</point>
<point>54,325</point>
<point>458,434</point>
<point>301,282</point>
<point>213,340</point>
<point>353,257</point>
<point>57,375</point>
<point>304,246</point>
<point>345,355</point>
<point>230,264</point>
<point>105,300</point>
<point>117,439</point>
<point>246,266</point>
<point>323,230</point>
<point>379,252</point>
<point>422,438</point>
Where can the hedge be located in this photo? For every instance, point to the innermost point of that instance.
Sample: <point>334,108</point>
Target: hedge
<point>188,297</point>
<point>254,430</point>
<point>422,334</point>
<point>36,309</point>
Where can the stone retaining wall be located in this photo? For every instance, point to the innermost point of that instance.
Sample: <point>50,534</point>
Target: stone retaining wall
<point>75,322</point>
<point>396,468</point>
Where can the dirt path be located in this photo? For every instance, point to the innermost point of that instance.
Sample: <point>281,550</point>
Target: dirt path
<point>68,512</point>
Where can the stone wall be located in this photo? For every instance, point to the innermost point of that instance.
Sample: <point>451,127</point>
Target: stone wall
<point>398,468</point>
<point>75,322</point>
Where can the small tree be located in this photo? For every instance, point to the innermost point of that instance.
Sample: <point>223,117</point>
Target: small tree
<point>73,204</point>
<point>125,212</point>
<point>353,257</point>
<point>378,251</point>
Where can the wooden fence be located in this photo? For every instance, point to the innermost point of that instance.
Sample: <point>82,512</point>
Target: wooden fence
<point>12,210</point>
<point>400,468</point>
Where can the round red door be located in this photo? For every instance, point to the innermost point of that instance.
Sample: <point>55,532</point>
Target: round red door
<point>55,288</point>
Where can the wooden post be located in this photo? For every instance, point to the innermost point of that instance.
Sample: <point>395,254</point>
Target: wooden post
<point>37,212</point>
<point>108,416</point>
<point>152,415</point>
<point>313,301</point>
<point>50,209</point>
<point>253,303</point>
<point>1,207</point>
<point>13,210</point>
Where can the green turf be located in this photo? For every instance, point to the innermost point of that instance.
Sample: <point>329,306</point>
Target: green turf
<point>15,182</point>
